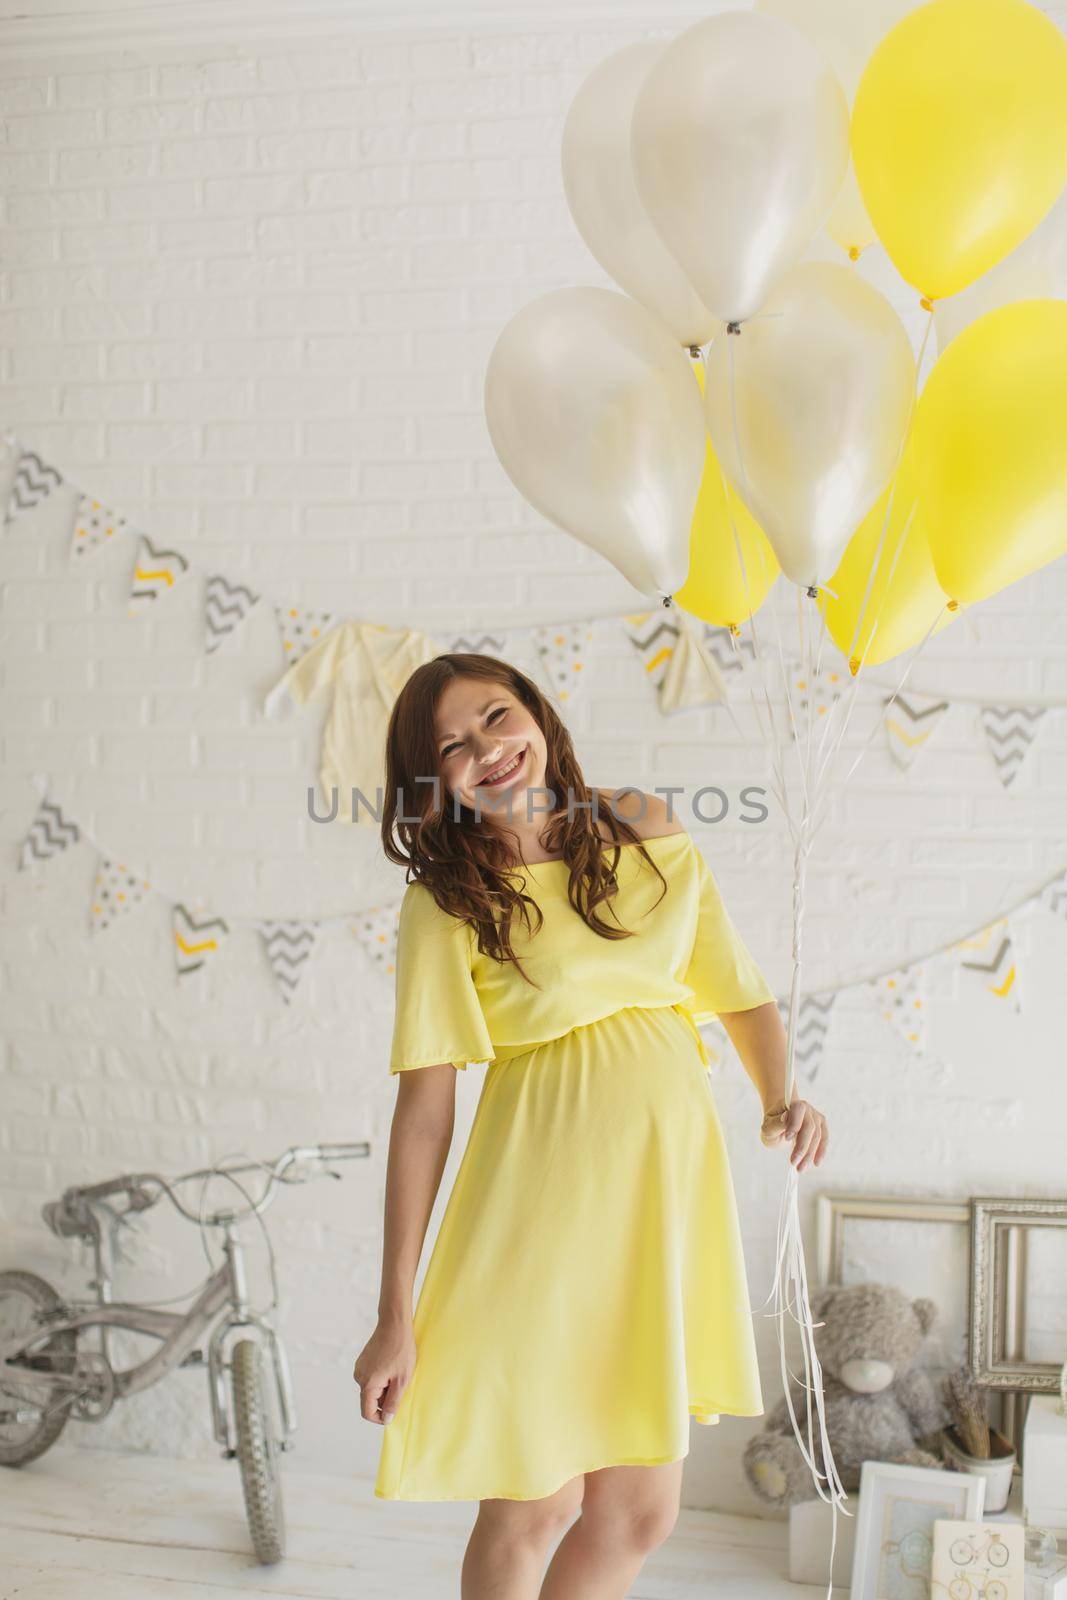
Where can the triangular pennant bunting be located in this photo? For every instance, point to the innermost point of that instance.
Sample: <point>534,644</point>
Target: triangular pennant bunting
<point>901,998</point>
<point>33,482</point>
<point>729,652</point>
<point>813,1025</point>
<point>225,606</point>
<point>675,661</point>
<point>288,945</point>
<point>376,931</point>
<point>50,834</point>
<point>910,723</point>
<point>1054,895</point>
<point>991,955</point>
<point>820,688</point>
<point>564,653</point>
<point>94,525</point>
<point>481,644</point>
<point>1010,731</point>
<point>195,941</point>
<point>155,572</point>
<point>300,629</point>
<point>116,890</point>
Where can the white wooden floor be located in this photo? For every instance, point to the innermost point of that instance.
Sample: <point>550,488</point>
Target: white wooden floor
<point>77,1523</point>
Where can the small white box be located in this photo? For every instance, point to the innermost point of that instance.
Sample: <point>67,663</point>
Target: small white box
<point>1045,1463</point>
<point>810,1534</point>
<point>1047,1580</point>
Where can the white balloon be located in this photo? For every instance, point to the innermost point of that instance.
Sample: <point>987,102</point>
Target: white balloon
<point>1035,270</point>
<point>739,142</point>
<point>810,429</point>
<point>598,181</point>
<point>596,415</point>
<point>846,31</point>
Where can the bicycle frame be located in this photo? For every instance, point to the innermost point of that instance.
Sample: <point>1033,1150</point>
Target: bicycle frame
<point>181,1332</point>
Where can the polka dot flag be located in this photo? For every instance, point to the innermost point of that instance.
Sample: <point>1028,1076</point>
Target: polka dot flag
<point>117,888</point>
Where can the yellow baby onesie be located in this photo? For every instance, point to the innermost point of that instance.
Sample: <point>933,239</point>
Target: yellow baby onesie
<point>367,664</point>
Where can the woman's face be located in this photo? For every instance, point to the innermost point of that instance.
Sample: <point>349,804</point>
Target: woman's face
<point>490,750</point>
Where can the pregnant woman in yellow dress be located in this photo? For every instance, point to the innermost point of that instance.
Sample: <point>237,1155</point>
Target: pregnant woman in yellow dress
<point>586,1294</point>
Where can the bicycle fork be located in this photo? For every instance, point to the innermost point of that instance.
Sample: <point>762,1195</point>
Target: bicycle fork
<point>241,1316</point>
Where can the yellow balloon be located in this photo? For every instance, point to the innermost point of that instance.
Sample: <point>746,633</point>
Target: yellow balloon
<point>905,597</point>
<point>991,449</point>
<point>959,136</point>
<point>715,590</point>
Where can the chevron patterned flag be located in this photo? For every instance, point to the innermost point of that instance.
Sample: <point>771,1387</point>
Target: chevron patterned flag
<point>300,629</point>
<point>116,890</point>
<point>483,644</point>
<point>901,998</point>
<point>50,834</point>
<point>288,945</point>
<point>1010,731</point>
<point>33,482</point>
<point>991,955</point>
<point>676,662</point>
<point>155,572</point>
<point>376,931</point>
<point>225,606</point>
<point>564,653</point>
<point>910,723</point>
<point>1054,895</point>
<point>813,1024</point>
<point>195,942</point>
<point>94,525</point>
<point>720,642</point>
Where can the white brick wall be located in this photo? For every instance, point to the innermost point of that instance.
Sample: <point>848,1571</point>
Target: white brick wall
<point>248,295</point>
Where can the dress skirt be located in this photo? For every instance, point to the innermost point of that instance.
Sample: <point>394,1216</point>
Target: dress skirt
<point>586,1293</point>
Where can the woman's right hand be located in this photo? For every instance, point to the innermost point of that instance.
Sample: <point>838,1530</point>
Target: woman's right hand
<point>384,1368</point>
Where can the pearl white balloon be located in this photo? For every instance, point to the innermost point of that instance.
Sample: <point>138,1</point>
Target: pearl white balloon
<point>596,416</point>
<point>598,181</point>
<point>846,31</point>
<point>739,141</point>
<point>823,385</point>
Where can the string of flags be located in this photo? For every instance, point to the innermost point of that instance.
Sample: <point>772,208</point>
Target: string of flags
<point>987,956</point>
<point>687,663</point>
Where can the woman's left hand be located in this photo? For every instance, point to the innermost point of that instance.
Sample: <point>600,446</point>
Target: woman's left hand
<point>802,1124</point>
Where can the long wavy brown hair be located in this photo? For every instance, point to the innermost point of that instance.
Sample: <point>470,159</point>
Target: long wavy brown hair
<point>466,865</point>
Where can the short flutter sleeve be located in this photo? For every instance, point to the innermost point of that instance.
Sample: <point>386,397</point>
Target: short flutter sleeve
<point>721,971</point>
<point>439,1015</point>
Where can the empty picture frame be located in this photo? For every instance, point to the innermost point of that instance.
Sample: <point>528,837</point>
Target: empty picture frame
<point>919,1245</point>
<point>1018,1269</point>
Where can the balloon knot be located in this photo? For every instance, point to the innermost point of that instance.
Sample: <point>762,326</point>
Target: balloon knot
<point>853,252</point>
<point>667,600</point>
<point>734,629</point>
<point>694,351</point>
<point>926,303</point>
<point>812,591</point>
<point>854,665</point>
<point>733,327</point>
<point>953,605</point>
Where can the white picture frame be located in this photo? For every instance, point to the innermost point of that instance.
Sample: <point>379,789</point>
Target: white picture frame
<point>898,1506</point>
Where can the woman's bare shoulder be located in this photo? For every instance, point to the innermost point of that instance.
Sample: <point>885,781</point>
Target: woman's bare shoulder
<point>647,813</point>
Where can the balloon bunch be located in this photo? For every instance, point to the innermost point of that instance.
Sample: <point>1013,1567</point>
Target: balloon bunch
<point>742,411</point>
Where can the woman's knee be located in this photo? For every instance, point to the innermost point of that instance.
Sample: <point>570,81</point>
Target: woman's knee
<point>640,1513</point>
<point>533,1521</point>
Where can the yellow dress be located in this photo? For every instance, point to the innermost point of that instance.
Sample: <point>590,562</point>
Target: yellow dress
<point>586,1292</point>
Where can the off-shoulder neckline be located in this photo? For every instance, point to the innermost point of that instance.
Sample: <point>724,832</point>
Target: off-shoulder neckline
<point>623,844</point>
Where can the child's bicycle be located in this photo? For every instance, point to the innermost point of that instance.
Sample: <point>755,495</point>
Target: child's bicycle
<point>47,1374</point>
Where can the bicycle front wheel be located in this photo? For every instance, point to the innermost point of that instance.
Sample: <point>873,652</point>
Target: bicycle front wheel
<point>258,1452</point>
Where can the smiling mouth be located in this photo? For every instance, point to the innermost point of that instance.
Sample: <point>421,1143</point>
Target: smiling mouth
<point>503,773</point>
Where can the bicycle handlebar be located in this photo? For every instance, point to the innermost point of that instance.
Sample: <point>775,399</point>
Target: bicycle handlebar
<point>62,1215</point>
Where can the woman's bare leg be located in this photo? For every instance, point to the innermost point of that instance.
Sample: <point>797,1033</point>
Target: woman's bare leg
<point>510,1539</point>
<point>626,1513</point>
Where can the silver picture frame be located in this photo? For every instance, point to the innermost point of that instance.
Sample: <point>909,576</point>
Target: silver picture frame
<point>1001,1230</point>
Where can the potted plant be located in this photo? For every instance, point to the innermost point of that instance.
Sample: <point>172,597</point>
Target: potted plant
<point>969,1444</point>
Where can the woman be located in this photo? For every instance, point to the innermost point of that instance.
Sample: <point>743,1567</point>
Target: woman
<point>586,1292</point>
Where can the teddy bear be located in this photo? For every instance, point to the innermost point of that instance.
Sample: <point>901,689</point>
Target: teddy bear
<point>878,1405</point>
